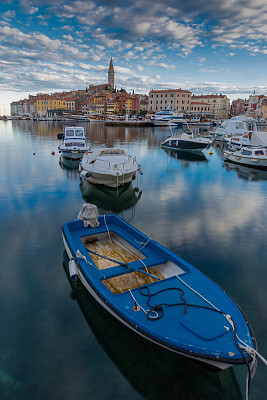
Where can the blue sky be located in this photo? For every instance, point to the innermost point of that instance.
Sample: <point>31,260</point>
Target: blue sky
<point>198,45</point>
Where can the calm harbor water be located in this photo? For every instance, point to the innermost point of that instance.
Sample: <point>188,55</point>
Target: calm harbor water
<point>58,344</point>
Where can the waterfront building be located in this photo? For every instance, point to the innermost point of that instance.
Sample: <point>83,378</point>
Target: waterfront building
<point>71,104</point>
<point>113,106</point>
<point>111,74</point>
<point>262,110</point>
<point>135,103</point>
<point>238,107</point>
<point>200,108</point>
<point>100,107</point>
<point>50,103</point>
<point>219,104</point>
<point>173,99</point>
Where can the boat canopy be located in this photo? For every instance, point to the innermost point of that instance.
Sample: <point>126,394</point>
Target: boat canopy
<point>258,138</point>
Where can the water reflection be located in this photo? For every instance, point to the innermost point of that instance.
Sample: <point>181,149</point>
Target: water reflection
<point>246,173</point>
<point>70,167</point>
<point>154,372</point>
<point>109,199</point>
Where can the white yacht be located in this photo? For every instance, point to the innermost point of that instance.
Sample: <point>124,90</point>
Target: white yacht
<point>167,118</point>
<point>234,126</point>
<point>74,145</point>
<point>110,167</point>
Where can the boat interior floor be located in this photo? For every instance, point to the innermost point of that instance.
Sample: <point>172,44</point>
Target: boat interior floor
<point>115,276</point>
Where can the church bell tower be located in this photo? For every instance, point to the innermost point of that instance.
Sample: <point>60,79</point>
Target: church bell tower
<point>111,74</point>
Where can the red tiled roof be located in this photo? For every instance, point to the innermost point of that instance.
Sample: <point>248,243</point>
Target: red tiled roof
<point>208,95</point>
<point>170,91</point>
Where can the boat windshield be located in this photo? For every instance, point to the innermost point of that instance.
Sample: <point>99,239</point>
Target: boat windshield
<point>112,152</point>
<point>79,132</point>
<point>69,132</point>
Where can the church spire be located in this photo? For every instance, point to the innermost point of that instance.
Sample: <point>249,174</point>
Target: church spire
<point>111,74</point>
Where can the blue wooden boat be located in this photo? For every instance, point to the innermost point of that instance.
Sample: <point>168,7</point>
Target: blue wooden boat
<point>157,294</point>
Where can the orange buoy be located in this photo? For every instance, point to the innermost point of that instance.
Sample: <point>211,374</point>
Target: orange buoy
<point>53,153</point>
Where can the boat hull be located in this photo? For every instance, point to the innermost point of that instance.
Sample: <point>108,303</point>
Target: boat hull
<point>167,123</point>
<point>246,161</point>
<point>187,145</point>
<point>112,181</point>
<point>72,154</point>
<point>121,305</point>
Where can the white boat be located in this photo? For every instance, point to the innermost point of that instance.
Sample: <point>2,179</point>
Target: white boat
<point>187,141</point>
<point>199,121</point>
<point>251,138</point>
<point>252,156</point>
<point>233,127</point>
<point>167,118</point>
<point>74,145</point>
<point>97,118</point>
<point>110,167</point>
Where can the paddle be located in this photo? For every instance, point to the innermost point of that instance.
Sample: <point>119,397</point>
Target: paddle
<point>123,264</point>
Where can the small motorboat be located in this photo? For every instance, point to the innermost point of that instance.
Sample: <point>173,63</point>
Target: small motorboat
<point>155,293</point>
<point>199,120</point>
<point>110,167</point>
<point>74,144</point>
<point>187,141</point>
<point>251,156</point>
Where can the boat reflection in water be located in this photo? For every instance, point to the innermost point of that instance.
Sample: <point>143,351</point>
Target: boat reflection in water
<point>246,173</point>
<point>110,199</point>
<point>186,157</point>
<point>153,371</point>
<point>71,167</point>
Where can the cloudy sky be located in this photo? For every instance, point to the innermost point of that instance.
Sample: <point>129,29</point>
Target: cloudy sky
<point>201,45</point>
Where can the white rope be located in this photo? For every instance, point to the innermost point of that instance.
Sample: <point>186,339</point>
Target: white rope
<point>146,268</point>
<point>137,302</point>
<point>200,295</point>
<point>146,312</point>
<point>107,227</point>
<point>143,244</point>
<point>79,255</point>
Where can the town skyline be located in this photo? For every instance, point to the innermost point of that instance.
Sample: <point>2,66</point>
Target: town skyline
<point>67,45</point>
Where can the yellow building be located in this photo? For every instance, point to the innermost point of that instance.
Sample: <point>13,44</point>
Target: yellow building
<point>100,108</point>
<point>50,103</point>
<point>173,99</point>
<point>113,106</point>
<point>219,104</point>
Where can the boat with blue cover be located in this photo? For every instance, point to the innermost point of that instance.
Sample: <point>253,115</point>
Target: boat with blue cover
<point>155,293</point>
